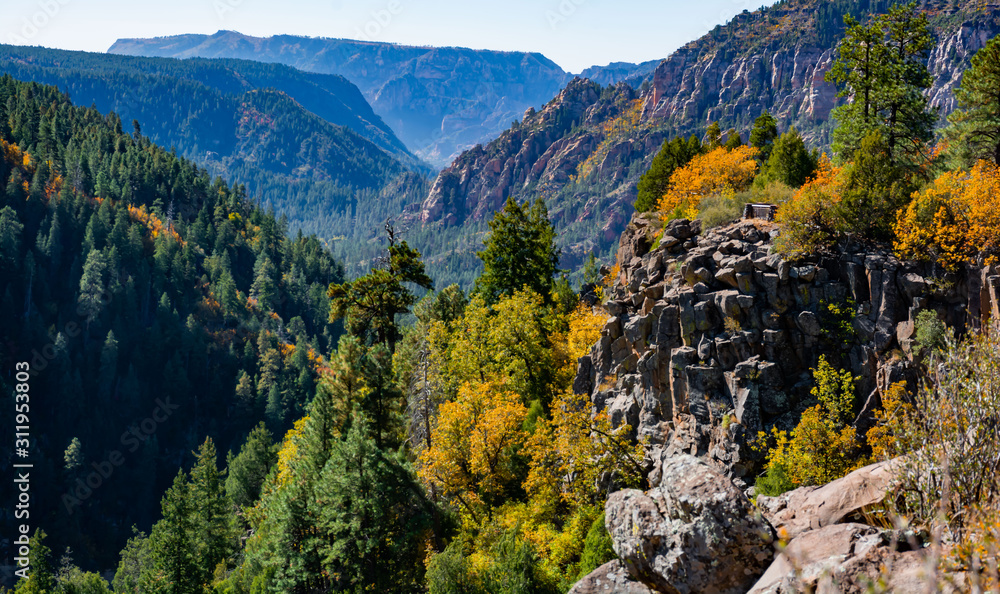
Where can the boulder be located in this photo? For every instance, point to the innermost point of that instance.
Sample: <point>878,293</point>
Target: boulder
<point>810,508</point>
<point>847,558</point>
<point>610,578</point>
<point>814,557</point>
<point>695,532</point>
<point>808,323</point>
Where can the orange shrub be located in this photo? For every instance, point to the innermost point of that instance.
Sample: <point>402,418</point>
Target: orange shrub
<point>717,172</point>
<point>809,220</point>
<point>954,220</point>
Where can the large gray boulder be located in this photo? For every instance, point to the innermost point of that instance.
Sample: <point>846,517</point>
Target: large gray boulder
<point>695,532</point>
<point>810,508</point>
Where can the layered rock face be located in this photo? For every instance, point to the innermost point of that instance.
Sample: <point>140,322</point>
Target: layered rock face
<point>729,81</point>
<point>543,151</point>
<point>710,339</point>
<point>712,336</point>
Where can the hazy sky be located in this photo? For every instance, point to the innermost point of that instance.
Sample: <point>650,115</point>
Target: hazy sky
<point>574,33</point>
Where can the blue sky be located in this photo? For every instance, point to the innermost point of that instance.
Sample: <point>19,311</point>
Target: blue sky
<point>574,33</point>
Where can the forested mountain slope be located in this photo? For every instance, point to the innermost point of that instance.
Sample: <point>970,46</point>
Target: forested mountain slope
<point>155,306</point>
<point>439,101</point>
<point>585,150</point>
<point>306,144</point>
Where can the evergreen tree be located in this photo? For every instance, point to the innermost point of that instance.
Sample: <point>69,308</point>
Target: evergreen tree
<point>873,192</point>
<point>975,126</point>
<point>790,163</point>
<point>41,577</point>
<point>883,67</point>
<point>90,302</point>
<point>264,288</point>
<point>215,536</point>
<point>713,137</point>
<point>653,184</point>
<point>248,469</point>
<point>173,567</point>
<point>10,237</point>
<point>108,370</point>
<point>520,252</point>
<point>134,557</point>
<point>763,134</point>
<point>373,517</point>
<point>370,305</point>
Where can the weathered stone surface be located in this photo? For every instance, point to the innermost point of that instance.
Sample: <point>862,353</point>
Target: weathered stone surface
<point>815,555</point>
<point>808,323</point>
<point>695,532</point>
<point>610,578</point>
<point>810,508</point>
<point>849,558</point>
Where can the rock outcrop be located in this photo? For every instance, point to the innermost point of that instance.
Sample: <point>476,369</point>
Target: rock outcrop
<point>710,339</point>
<point>711,336</point>
<point>845,558</point>
<point>774,59</point>
<point>694,532</point>
<point>812,508</point>
<point>612,577</point>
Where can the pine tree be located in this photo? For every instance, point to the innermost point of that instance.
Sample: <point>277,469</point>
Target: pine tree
<point>763,134</point>
<point>883,67</point>
<point>520,252</point>
<point>41,577</point>
<point>248,469</point>
<point>373,516</point>
<point>215,539</point>
<point>370,305</point>
<point>173,565</point>
<point>790,163</point>
<point>264,289</point>
<point>108,371</point>
<point>874,191</point>
<point>654,183</point>
<point>90,302</point>
<point>133,558</point>
<point>10,237</point>
<point>975,126</point>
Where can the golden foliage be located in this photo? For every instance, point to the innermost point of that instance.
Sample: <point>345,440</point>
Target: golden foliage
<point>471,458</point>
<point>953,220</point>
<point>571,452</point>
<point>584,330</point>
<point>823,446</point>
<point>894,414</point>
<point>717,172</point>
<point>808,220</point>
<point>151,221</point>
<point>289,451</point>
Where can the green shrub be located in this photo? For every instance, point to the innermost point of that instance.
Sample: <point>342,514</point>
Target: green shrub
<point>597,548</point>
<point>774,481</point>
<point>930,332</point>
<point>448,573</point>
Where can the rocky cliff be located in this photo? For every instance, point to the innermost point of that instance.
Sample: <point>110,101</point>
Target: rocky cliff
<point>773,59</point>
<point>710,339</point>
